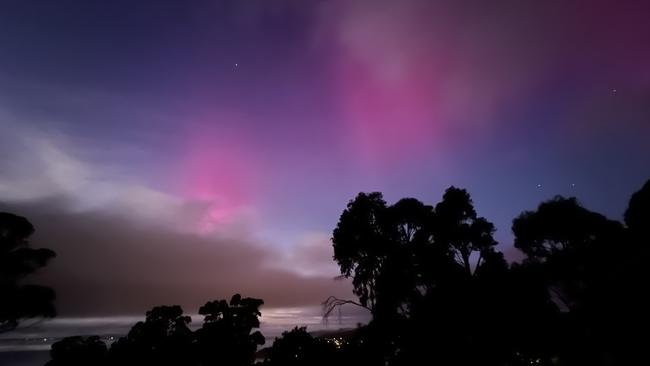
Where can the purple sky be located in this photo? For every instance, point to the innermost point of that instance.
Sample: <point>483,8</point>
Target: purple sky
<point>177,152</point>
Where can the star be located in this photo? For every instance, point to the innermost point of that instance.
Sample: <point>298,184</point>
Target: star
<point>539,186</point>
<point>614,91</point>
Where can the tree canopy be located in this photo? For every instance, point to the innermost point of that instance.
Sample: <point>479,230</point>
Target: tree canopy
<point>437,270</point>
<point>399,252</point>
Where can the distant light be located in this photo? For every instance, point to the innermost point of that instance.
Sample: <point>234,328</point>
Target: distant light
<point>539,186</point>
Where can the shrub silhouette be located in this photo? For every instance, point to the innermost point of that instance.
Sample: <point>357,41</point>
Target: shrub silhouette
<point>78,351</point>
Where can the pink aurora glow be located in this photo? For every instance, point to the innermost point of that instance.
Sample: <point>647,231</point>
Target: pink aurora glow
<point>218,171</point>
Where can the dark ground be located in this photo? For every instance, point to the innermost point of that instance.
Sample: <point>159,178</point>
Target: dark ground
<point>24,358</point>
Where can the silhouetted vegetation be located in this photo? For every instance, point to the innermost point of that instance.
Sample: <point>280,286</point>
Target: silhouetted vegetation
<point>164,338</point>
<point>79,351</point>
<point>18,260</point>
<point>226,338</point>
<point>439,293</point>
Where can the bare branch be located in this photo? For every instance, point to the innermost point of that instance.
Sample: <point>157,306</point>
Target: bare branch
<point>333,303</point>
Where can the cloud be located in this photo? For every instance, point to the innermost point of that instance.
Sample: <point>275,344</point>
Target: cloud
<point>43,165</point>
<point>418,77</point>
<point>311,256</point>
<point>124,246</point>
<point>111,264</point>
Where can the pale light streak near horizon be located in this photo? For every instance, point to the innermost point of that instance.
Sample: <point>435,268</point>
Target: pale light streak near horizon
<point>273,322</point>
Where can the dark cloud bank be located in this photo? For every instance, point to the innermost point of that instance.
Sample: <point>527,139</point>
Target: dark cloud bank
<point>110,265</point>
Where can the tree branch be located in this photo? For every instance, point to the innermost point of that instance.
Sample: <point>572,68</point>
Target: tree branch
<point>334,302</point>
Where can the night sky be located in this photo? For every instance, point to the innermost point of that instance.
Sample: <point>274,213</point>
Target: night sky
<point>174,152</point>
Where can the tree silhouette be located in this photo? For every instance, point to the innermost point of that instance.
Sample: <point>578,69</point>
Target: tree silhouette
<point>18,260</point>
<point>164,338</point>
<point>637,215</point>
<point>225,337</point>
<point>383,249</point>
<point>360,247</point>
<point>585,261</point>
<point>572,243</point>
<point>428,275</point>
<point>458,228</point>
<point>631,299</point>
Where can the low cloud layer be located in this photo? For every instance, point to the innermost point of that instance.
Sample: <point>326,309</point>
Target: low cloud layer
<point>108,264</point>
<point>123,246</point>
